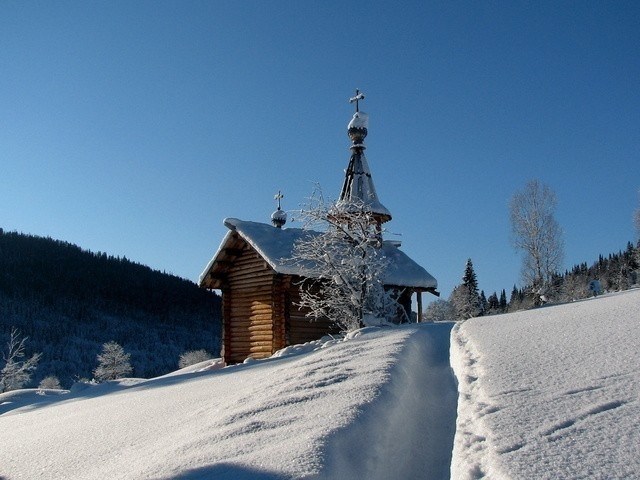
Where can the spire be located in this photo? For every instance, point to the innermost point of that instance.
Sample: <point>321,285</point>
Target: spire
<point>279,217</point>
<point>358,189</point>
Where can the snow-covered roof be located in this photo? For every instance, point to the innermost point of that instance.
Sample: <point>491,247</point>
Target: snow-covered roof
<point>276,245</point>
<point>358,189</point>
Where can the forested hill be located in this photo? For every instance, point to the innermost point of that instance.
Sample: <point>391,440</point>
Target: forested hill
<point>69,302</point>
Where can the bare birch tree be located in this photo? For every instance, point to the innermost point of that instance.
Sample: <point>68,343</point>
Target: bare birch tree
<point>538,235</point>
<point>16,371</point>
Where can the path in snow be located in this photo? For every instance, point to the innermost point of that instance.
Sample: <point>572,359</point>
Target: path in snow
<point>408,431</point>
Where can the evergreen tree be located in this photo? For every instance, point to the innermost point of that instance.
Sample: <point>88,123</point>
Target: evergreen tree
<point>493,304</point>
<point>484,304</point>
<point>503,301</point>
<point>465,297</point>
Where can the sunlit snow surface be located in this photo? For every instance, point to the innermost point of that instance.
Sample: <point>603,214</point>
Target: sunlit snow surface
<point>327,409</point>
<point>551,393</point>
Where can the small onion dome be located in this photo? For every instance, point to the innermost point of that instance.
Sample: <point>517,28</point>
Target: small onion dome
<point>357,128</point>
<point>279,218</point>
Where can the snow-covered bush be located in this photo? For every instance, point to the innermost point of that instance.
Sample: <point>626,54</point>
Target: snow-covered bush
<point>113,363</point>
<point>50,382</point>
<point>192,357</point>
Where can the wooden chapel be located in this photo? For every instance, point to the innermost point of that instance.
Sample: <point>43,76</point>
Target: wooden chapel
<point>261,289</point>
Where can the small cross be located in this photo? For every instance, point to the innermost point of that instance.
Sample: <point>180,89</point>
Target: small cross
<point>278,196</point>
<point>359,96</point>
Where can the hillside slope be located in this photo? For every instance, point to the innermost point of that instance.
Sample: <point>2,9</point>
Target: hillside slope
<point>69,302</point>
<point>362,405</point>
<point>548,393</point>
<point>551,393</point>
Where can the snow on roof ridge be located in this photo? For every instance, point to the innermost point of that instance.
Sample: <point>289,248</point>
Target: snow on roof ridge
<point>276,247</point>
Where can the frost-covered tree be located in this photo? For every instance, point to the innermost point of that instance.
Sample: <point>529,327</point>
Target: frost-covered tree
<point>439,310</point>
<point>343,265</point>
<point>192,357</point>
<point>538,235</point>
<point>113,363</point>
<point>17,370</point>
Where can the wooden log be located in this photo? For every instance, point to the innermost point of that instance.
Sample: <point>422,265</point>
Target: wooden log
<point>251,303</point>
<point>260,290</point>
<point>240,325</point>
<point>251,347</point>
<point>245,311</point>
<point>238,276</point>
<point>251,328</point>
<point>242,265</point>
<point>248,298</point>
<point>252,339</point>
<point>250,343</point>
<point>248,319</point>
<point>246,334</point>
<point>250,284</point>
<point>258,317</point>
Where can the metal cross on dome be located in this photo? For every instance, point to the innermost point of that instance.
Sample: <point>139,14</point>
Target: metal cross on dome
<point>278,196</point>
<point>359,96</point>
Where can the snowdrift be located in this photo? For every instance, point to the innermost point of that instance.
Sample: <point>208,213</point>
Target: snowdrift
<point>552,393</point>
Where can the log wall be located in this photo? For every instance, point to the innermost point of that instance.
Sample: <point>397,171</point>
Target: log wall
<point>260,315</point>
<point>301,328</point>
<point>248,309</point>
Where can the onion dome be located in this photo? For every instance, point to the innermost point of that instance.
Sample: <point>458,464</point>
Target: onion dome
<point>279,217</point>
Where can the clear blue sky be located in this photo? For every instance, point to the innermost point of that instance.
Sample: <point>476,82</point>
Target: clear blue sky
<point>135,128</point>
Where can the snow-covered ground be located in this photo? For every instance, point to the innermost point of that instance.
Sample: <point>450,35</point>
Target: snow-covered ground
<point>369,404</point>
<point>549,393</point>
